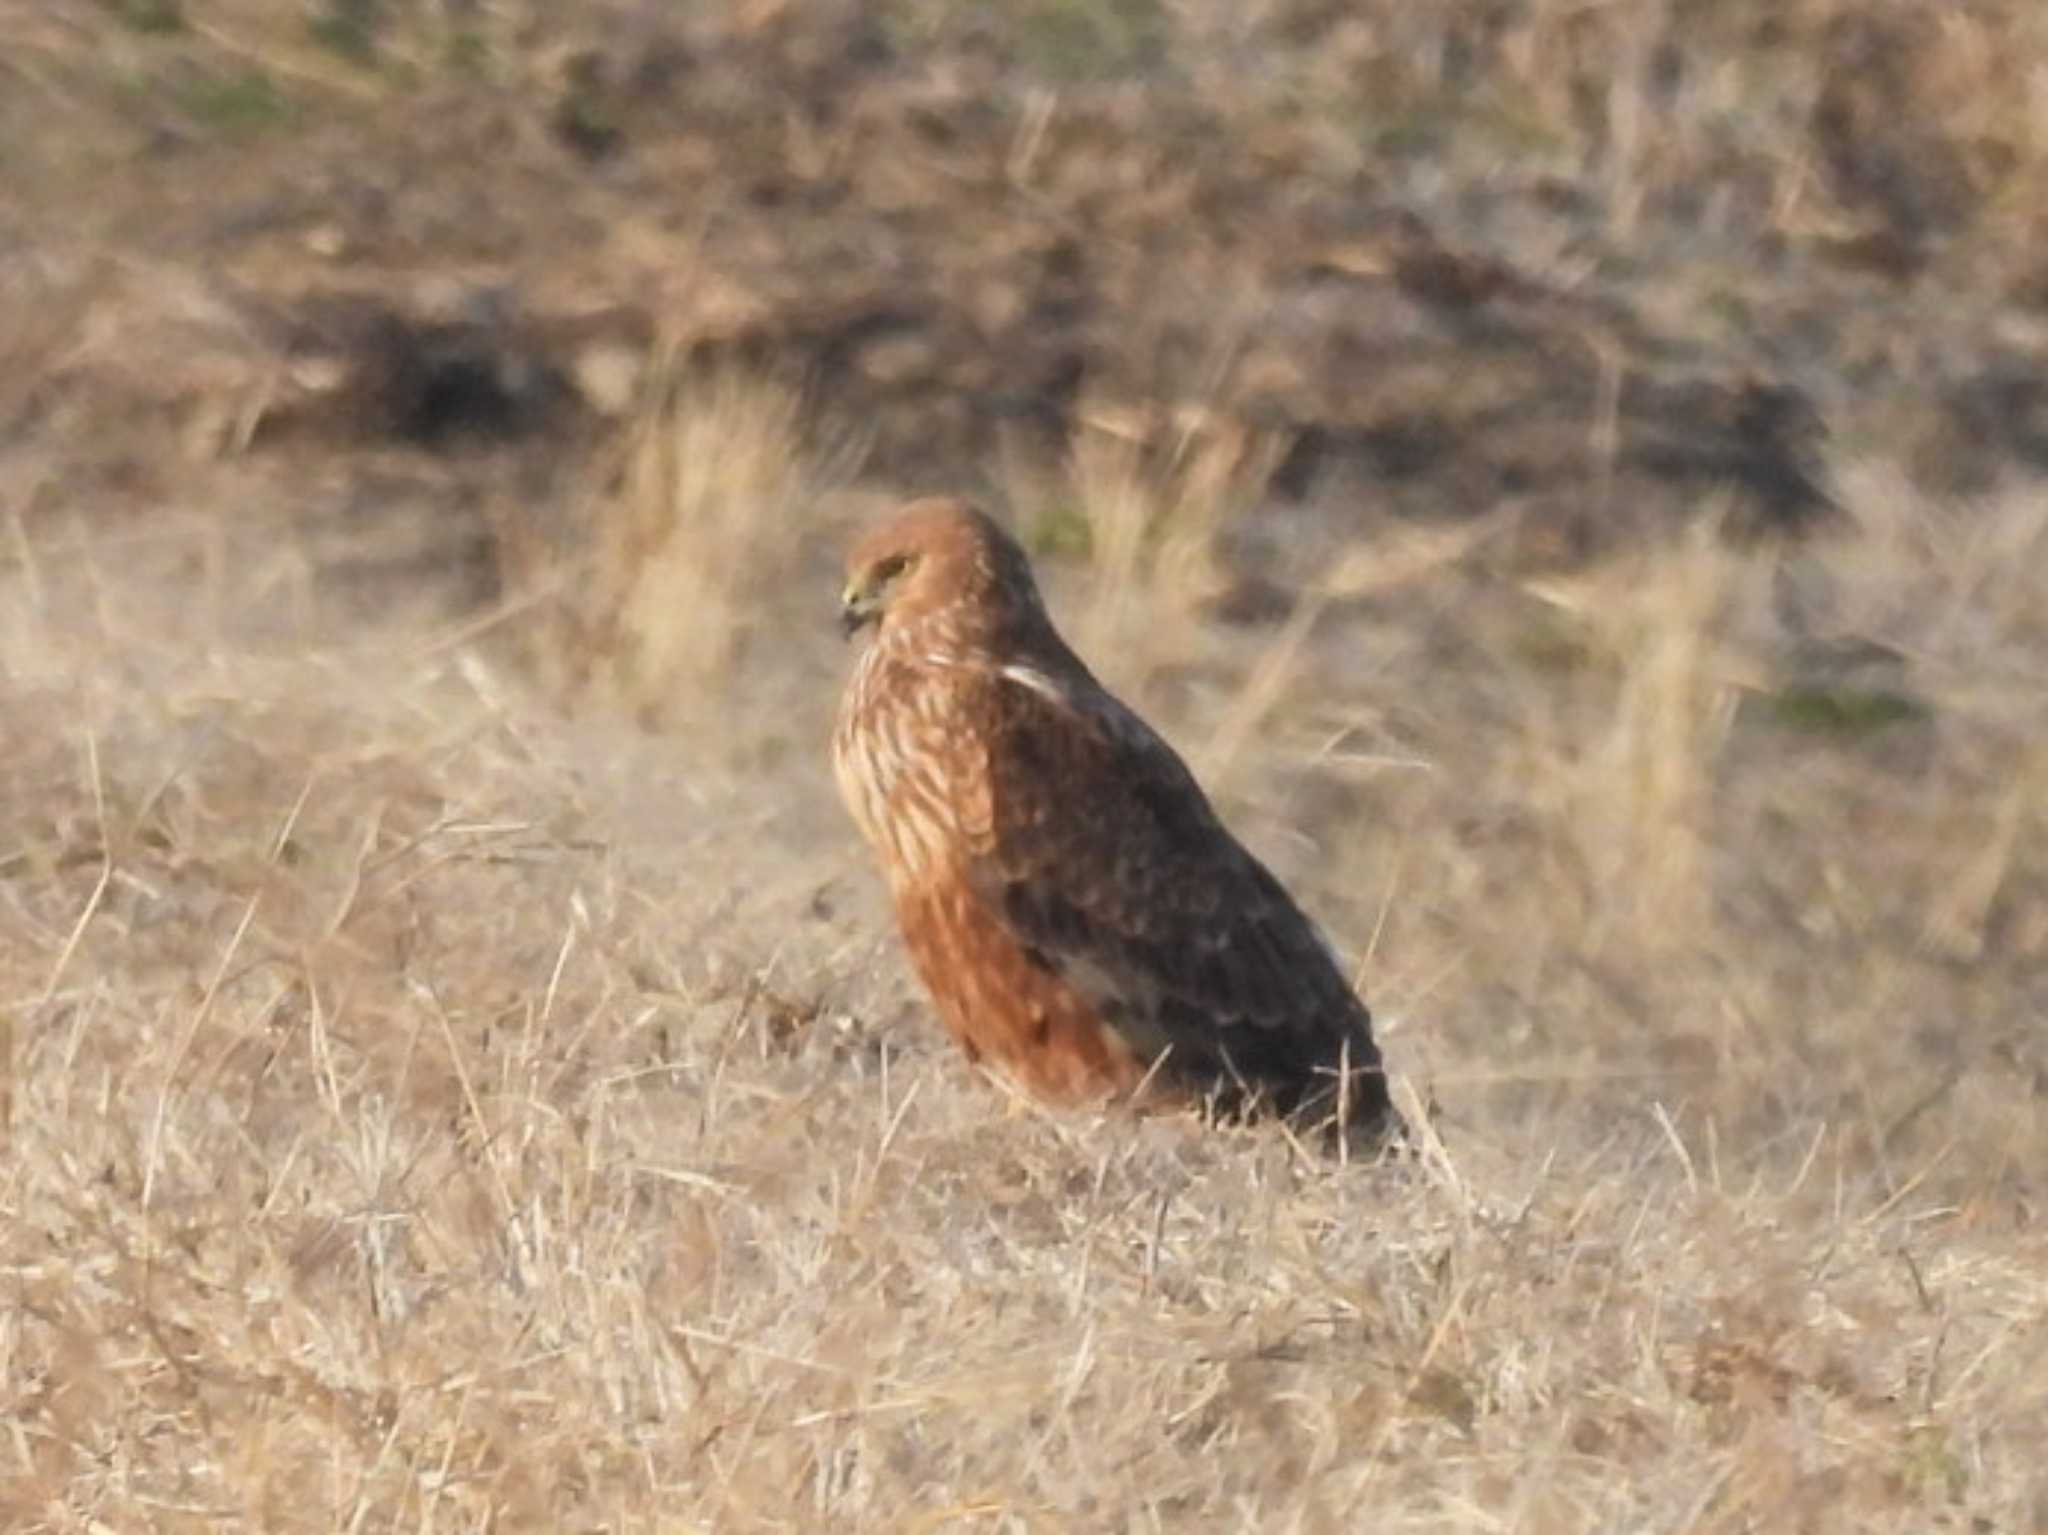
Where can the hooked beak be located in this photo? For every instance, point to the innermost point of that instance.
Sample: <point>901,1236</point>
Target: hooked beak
<point>856,611</point>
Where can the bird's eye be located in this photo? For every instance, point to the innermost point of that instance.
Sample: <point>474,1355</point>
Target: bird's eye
<point>891,568</point>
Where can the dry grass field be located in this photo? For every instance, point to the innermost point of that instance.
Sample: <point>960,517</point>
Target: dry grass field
<point>456,1071</point>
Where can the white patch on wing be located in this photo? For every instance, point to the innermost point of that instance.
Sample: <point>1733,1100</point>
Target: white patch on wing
<point>1038,682</point>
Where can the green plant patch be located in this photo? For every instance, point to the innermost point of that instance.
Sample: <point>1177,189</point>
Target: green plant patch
<point>1552,647</point>
<point>468,53</point>
<point>242,104</point>
<point>349,28</point>
<point>1060,532</point>
<point>1078,40</point>
<point>1840,712</point>
<point>154,17</point>
<point>1929,1465</point>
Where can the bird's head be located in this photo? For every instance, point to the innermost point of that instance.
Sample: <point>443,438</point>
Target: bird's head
<point>932,557</point>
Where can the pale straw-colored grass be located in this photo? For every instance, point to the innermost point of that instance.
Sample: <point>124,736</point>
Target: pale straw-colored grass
<point>423,1112</point>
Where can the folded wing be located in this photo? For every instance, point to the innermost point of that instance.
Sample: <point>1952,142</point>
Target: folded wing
<point>1109,866</point>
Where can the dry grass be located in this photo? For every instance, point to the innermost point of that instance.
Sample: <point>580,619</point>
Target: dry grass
<point>423,1113</point>
<point>714,473</point>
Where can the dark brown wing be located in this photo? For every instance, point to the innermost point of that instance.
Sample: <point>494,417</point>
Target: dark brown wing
<point>1109,866</point>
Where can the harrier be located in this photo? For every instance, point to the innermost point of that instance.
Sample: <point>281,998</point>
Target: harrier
<point>1083,921</point>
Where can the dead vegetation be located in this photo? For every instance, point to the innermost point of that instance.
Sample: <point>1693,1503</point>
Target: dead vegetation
<point>1567,478</point>
<point>1591,266</point>
<point>419,1108</point>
